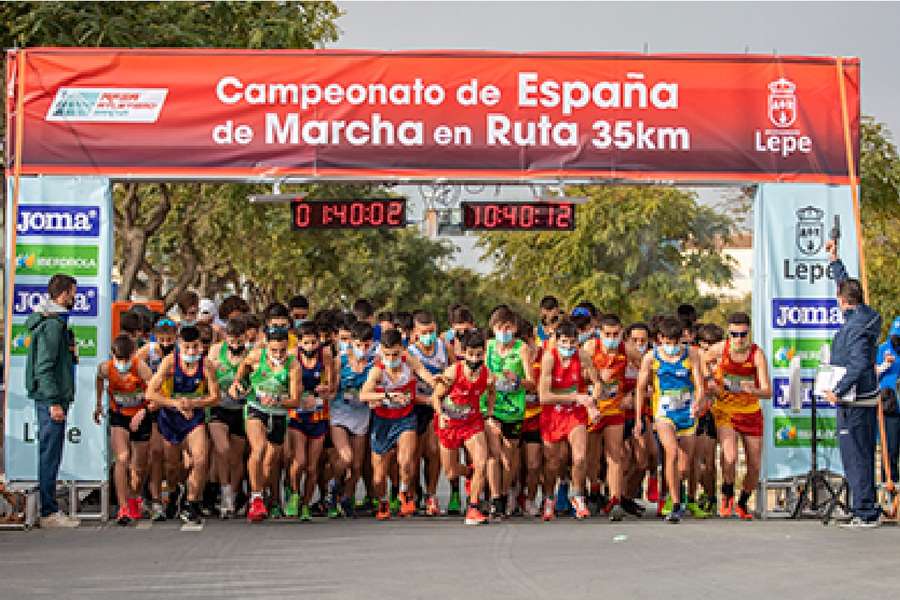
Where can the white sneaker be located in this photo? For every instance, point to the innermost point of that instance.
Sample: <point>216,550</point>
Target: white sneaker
<point>857,523</point>
<point>227,506</point>
<point>58,519</point>
<point>532,508</point>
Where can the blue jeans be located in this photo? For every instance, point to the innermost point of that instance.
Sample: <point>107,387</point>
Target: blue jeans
<point>51,437</point>
<point>856,435</point>
<point>892,431</point>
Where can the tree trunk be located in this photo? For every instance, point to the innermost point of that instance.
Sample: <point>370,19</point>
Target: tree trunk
<point>136,233</point>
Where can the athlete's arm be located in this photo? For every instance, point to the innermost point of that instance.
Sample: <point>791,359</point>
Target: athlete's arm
<point>451,353</point>
<point>639,392</point>
<point>545,393</point>
<point>99,387</point>
<point>154,390</point>
<point>247,366</point>
<point>367,392</point>
<point>697,376</point>
<point>144,372</point>
<point>212,389</point>
<point>764,391</point>
<point>419,369</point>
<point>295,386</point>
<point>491,392</point>
<point>528,383</point>
<point>329,390</point>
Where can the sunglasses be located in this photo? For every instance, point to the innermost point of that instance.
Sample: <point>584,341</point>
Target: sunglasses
<point>738,334</point>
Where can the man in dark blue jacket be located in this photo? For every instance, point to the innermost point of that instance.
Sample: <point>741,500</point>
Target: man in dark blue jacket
<point>854,348</point>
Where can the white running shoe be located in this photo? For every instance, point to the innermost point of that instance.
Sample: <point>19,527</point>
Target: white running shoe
<point>60,520</point>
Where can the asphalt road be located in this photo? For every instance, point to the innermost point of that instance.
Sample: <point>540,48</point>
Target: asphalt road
<point>440,558</point>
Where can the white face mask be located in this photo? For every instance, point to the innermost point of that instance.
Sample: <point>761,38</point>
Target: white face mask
<point>276,361</point>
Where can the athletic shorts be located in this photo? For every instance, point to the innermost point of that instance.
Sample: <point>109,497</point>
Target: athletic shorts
<point>458,431</point>
<point>558,421</point>
<point>532,424</point>
<point>276,425</point>
<point>706,425</point>
<point>628,430</point>
<point>750,424</point>
<point>355,419</point>
<point>532,436</point>
<point>117,419</point>
<point>424,418</point>
<point>308,427</point>
<point>386,433</point>
<point>684,423</point>
<point>231,417</point>
<point>174,427</point>
<point>511,430</point>
<point>606,421</point>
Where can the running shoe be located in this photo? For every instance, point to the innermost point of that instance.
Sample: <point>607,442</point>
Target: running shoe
<point>498,506</point>
<point>257,511</point>
<point>532,508</point>
<point>348,508</point>
<point>176,500</point>
<point>667,507</point>
<point>407,505</point>
<point>395,504</point>
<point>743,513</point>
<point>366,502</point>
<point>696,511</point>
<point>226,510</point>
<point>549,509</point>
<point>511,505</point>
<point>157,512</point>
<point>276,512</point>
<point>135,508</point>
<point>675,516</point>
<point>652,490</point>
<point>563,505</point>
<point>292,507</point>
<point>305,513</point>
<point>617,513</point>
<point>384,511</point>
<point>192,515</point>
<point>331,504</point>
<point>454,505</point>
<point>632,508</point>
<point>124,516</point>
<point>581,508</point>
<point>475,516</point>
<point>432,508</point>
<point>727,509</point>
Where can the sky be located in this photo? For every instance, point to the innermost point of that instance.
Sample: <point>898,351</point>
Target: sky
<point>868,30</point>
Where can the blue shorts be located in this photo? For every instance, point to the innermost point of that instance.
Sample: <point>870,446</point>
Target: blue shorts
<point>684,423</point>
<point>308,427</point>
<point>173,427</point>
<point>386,432</point>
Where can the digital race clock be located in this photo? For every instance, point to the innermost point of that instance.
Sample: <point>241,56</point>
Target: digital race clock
<point>518,216</point>
<point>348,214</point>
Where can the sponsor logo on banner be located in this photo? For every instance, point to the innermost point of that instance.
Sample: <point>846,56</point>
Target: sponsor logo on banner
<point>29,297</point>
<point>781,107</point>
<point>808,349</point>
<point>796,432</point>
<point>44,220</point>
<point>85,338</point>
<point>809,238</point>
<point>33,259</point>
<point>806,313</point>
<point>779,394</point>
<point>108,105</point>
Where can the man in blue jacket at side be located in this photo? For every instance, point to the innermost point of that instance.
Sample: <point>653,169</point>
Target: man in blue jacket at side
<point>887,366</point>
<point>854,348</point>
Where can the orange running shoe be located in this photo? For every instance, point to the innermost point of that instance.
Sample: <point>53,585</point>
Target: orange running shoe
<point>432,508</point>
<point>124,516</point>
<point>742,513</point>
<point>549,509</point>
<point>257,510</point>
<point>581,509</point>
<point>727,509</point>
<point>384,511</point>
<point>475,516</point>
<point>407,505</point>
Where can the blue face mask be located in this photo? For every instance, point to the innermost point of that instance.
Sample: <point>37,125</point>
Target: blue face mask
<point>359,354</point>
<point>428,339</point>
<point>567,351</point>
<point>190,358</point>
<point>503,337</point>
<point>391,364</point>
<point>671,349</point>
<point>641,348</point>
<point>123,368</point>
<point>188,323</point>
<point>610,344</point>
<point>450,335</point>
<point>343,345</point>
<point>583,337</point>
<point>298,323</point>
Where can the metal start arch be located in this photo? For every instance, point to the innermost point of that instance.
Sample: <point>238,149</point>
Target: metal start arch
<point>78,117</point>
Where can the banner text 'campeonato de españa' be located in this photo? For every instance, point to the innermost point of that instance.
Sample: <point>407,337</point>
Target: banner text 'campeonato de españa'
<point>465,115</point>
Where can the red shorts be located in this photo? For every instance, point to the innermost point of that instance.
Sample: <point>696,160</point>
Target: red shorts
<point>556,424</point>
<point>745,423</point>
<point>458,432</point>
<point>532,423</point>
<point>606,421</point>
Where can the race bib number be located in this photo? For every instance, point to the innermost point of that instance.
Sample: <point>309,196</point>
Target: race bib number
<point>456,411</point>
<point>673,400</point>
<point>129,400</point>
<point>270,398</point>
<point>505,385</point>
<point>397,402</point>
<point>351,397</point>
<point>732,383</point>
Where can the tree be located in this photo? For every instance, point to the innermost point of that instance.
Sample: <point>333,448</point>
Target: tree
<point>636,250</point>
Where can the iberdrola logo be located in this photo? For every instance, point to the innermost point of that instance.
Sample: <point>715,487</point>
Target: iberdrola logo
<point>21,341</point>
<point>787,433</point>
<point>785,354</point>
<point>26,261</point>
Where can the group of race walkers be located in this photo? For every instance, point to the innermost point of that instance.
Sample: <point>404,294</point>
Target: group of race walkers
<point>288,414</point>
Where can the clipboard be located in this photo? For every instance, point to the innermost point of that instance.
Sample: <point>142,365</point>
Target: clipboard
<point>827,378</point>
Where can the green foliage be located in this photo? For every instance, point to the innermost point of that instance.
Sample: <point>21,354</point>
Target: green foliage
<point>636,251</point>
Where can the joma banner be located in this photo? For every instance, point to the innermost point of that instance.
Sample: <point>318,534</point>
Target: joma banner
<point>437,113</point>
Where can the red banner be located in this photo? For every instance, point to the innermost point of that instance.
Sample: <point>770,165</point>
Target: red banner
<point>430,114</point>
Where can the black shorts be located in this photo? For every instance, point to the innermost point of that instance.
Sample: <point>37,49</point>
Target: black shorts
<point>706,425</point>
<point>124,422</point>
<point>628,430</point>
<point>231,417</point>
<point>276,425</point>
<point>424,418</point>
<point>511,430</point>
<point>531,437</point>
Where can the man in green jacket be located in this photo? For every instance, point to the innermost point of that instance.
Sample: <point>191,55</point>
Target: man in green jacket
<point>50,382</point>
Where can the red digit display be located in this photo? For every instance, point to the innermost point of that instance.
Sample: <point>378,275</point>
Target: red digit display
<point>348,214</point>
<point>518,216</point>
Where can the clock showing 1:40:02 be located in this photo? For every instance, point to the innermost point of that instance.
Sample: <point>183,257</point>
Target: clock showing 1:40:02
<point>348,214</point>
<point>518,216</point>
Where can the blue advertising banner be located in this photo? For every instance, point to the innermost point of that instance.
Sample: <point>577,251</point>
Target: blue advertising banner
<point>64,224</point>
<point>796,312</point>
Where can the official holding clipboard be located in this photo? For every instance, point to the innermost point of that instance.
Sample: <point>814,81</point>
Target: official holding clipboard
<point>854,348</point>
